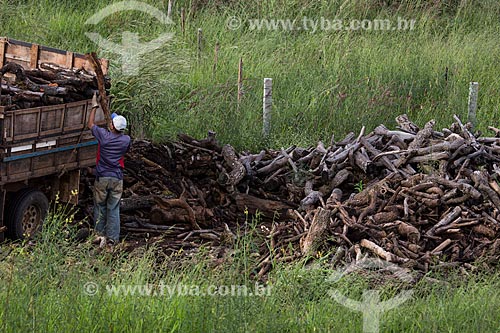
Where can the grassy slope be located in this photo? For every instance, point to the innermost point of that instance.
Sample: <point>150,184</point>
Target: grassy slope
<point>324,82</point>
<point>43,290</point>
<point>381,75</point>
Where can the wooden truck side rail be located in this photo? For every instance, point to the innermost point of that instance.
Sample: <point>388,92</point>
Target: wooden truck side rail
<point>46,140</point>
<point>30,55</point>
<point>50,139</point>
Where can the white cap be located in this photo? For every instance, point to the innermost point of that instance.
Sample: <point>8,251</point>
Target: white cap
<point>120,123</point>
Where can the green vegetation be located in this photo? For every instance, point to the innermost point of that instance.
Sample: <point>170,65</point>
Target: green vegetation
<point>324,82</point>
<point>59,285</point>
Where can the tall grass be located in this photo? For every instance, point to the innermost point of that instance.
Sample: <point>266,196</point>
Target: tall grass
<point>327,82</point>
<point>44,288</point>
<point>324,82</point>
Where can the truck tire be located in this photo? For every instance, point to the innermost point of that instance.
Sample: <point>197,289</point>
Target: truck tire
<point>26,213</point>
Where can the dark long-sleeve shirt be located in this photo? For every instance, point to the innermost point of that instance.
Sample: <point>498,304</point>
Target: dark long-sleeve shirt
<point>110,152</point>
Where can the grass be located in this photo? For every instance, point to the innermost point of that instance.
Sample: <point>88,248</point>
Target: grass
<point>327,82</point>
<point>324,83</point>
<point>45,287</point>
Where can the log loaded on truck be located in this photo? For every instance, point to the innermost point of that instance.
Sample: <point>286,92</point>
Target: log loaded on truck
<point>45,100</point>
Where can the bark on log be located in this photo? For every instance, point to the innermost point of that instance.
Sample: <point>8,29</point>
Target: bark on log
<point>379,251</point>
<point>168,204</point>
<point>268,208</point>
<point>137,202</point>
<point>238,170</point>
<point>316,234</point>
<point>92,57</point>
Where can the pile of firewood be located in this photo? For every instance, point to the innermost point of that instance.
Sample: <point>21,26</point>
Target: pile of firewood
<point>49,85</point>
<point>420,198</point>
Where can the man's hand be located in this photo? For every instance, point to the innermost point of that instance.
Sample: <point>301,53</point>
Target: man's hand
<point>95,104</point>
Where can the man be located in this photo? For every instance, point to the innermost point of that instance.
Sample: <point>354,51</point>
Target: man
<point>108,186</point>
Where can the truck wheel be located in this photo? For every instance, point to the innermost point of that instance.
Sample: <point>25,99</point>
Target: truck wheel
<point>28,210</point>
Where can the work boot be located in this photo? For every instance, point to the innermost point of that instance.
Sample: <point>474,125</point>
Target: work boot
<point>113,245</point>
<point>99,240</point>
<point>103,242</point>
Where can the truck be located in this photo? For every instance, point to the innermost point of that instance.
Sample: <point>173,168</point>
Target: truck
<point>42,149</point>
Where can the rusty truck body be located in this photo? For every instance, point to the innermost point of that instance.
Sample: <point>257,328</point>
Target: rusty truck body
<point>42,149</point>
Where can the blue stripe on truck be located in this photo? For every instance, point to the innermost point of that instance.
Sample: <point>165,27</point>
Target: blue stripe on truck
<point>50,151</point>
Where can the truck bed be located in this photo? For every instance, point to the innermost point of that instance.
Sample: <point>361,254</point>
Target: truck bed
<point>44,140</point>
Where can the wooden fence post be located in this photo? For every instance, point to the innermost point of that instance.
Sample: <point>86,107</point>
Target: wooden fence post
<point>240,81</point>
<point>216,58</point>
<point>183,21</point>
<point>200,41</point>
<point>473,92</point>
<point>169,10</point>
<point>267,106</point>
<point>3,46</point>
